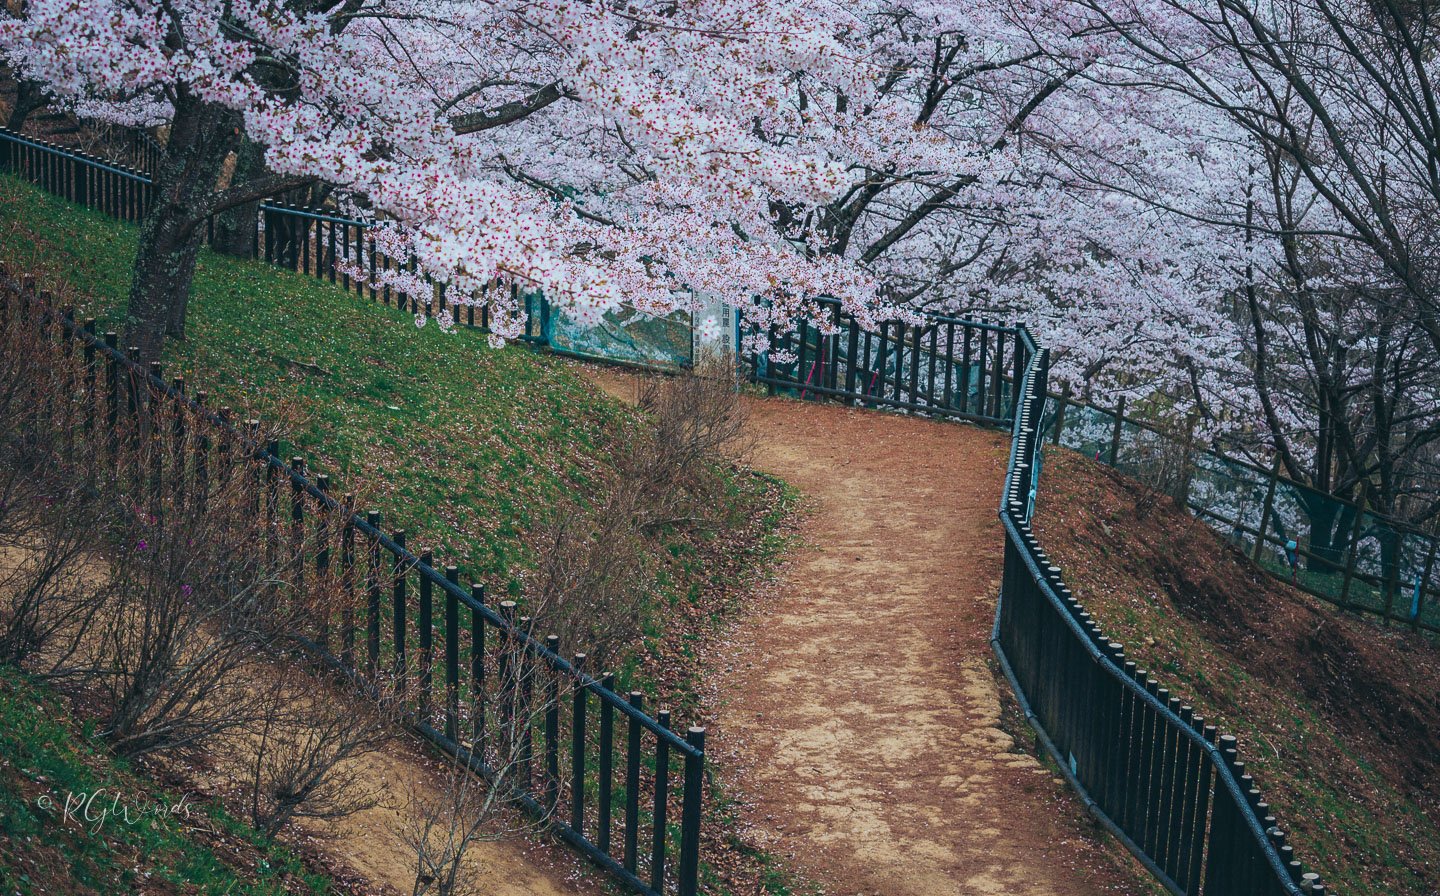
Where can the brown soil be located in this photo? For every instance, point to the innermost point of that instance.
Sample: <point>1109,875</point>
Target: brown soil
<point>855,711</point>
<point>366,851</point>
<point>1338,716</point>
<point>368,844</point>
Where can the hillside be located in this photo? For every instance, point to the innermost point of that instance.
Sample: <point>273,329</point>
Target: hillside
<point>462,445</point>
<point>74,821</point>
<point>1338,718</point>
<point>467,447</point>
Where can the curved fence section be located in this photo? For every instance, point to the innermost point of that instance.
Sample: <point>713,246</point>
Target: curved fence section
<point>1167,784</point>
<point>470,676</point>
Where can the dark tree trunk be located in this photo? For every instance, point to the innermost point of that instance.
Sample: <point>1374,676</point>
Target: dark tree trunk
<point>29,96</point>
<point>201,135</point>
<point>235,228</point>
<point>1330,526</point>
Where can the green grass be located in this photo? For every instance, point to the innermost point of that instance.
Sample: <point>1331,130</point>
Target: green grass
<point>458,443</point>
<point>167,843</point>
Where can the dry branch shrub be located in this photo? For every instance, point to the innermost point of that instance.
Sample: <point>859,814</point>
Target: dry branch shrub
<point>49,516</point>
<point>445,819</point>
<point>590,586</point>
<point>302,756</point>
<point>1165,466</point>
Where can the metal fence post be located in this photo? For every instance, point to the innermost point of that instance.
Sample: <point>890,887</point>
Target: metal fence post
<point>1424,583</point>
<point>1115,433</point>
<point>452,655</point>
<point>1266,510</point>
<point>662,783</point>
<point>1060,405</point>
<point>690,813</point>
<point>1354,554</point>
<point>425,629</point>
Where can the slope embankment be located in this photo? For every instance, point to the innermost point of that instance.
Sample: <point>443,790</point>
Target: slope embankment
<point>1338,716</point>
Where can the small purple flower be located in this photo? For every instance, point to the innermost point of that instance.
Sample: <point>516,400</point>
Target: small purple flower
<point>186,590</point>
<point>141,545</point>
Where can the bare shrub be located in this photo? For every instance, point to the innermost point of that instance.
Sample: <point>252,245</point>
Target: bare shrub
<point>303,752</point>
<point>1165,465</point>
<point>176,574</point>
<point>196,593</point>
<point>444,819</point>
<point>590,585</point>
<point>49,517</point>
<point>695,423</point>
<point>47,585</point>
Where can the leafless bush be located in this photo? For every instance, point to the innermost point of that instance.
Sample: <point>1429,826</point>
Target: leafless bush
<point>302,754</point>
<point>196,593</point>
<point>695,422</point>
<point>1165,466</point>
<point>47,600</point>
<point>445,819</point>
<point>49,516</point>
<point>590,585</point>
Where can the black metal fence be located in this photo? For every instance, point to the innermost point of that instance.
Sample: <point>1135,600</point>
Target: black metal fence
<point>1172,789</point>
<point>316,242</point>
<point>943,366</point>
<point>617,783</point>
<point>1344,552</point>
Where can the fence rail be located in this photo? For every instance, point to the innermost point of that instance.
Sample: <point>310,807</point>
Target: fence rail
<point>1345,553</point>
<point>1167,784</point>
<point>944,366</point>
<point>474,678</point>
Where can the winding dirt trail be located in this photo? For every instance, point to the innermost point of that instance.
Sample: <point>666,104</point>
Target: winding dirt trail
<point>858,715</point>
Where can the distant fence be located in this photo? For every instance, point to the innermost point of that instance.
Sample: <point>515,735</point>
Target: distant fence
<point>613,781</point>
<point>312,241</point>
<point>1346,554</point>
<point>942,366</point>
<point>1174,791</point>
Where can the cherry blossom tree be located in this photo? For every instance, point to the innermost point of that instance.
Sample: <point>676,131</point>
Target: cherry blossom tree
<point>596,152</point>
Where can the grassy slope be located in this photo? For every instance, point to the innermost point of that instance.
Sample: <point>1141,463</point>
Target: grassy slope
<point>197,848</point>
<point>465,438</point>
<point>1337,717</point>
<point>464,442</point>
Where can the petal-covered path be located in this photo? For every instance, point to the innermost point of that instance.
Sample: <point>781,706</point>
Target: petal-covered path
<point>856,710</point>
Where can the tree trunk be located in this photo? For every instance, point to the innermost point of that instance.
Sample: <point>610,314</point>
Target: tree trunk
<point>235,228</point>
<point>1330,525</point>
<point>29,96</point>
<point>160,286</point>
<point>201,135</point>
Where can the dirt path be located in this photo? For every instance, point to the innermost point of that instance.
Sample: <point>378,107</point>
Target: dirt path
<point>856,713</point>
<point>860,703</point>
